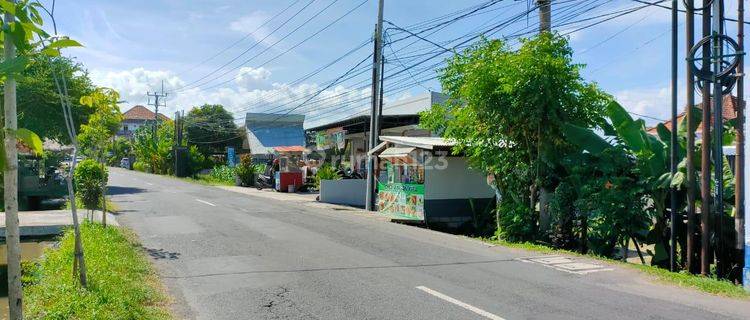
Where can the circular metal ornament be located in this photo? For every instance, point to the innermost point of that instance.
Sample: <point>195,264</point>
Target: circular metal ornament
<point>689,5</point>
<point>727,66</point>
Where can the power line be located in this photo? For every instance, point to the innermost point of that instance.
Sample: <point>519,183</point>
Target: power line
<point>232,45</point>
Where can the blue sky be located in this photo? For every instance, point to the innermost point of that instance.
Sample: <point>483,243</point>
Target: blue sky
<point>134,45</point>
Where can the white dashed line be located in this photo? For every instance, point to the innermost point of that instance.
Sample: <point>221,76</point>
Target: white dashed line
<point>149,183</point>
<point>205,202</point>
<point>461,304</point>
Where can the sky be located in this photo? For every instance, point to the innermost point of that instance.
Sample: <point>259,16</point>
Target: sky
<point>249,55</point>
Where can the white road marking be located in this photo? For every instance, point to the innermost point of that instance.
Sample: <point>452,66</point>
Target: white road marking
<point>205,202</point>
<point>461,304</point>
<point>149,183</point>
<point>565,264</point>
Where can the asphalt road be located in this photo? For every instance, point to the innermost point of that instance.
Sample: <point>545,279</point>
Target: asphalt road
<point>225,255</point>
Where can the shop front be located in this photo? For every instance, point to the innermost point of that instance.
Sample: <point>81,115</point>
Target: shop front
<point>419,180</point>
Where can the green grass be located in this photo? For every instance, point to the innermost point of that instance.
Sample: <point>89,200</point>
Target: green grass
<point>705,284</point>
<point>208,180</point>
<point>122,283</point>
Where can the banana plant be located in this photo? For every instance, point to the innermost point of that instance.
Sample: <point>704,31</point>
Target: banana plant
<point>651,153</point>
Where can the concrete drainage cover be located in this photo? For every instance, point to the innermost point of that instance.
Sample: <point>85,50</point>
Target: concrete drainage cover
<point>565,264</point>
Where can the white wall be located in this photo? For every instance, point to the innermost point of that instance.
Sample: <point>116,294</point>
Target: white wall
<point>347,191</point>
<point>455,181</point>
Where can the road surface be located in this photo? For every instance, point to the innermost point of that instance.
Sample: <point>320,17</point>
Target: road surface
<point>225,255</point>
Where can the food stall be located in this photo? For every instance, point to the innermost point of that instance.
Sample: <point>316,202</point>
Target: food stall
<point>290,175</point>
<point>420,180</point>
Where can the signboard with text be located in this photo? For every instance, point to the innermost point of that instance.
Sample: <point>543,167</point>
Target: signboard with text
<point>401,200</point>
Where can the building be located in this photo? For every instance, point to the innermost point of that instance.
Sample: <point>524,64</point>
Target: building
<point>350,135</point>
<point>264,131</point>
<point>135,118</point>
<point>729,112</point>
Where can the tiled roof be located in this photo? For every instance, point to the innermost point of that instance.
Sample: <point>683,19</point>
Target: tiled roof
<point>729,112</point>
<point>140,112</point>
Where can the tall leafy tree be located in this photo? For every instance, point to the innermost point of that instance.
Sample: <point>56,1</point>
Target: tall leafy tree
<point>211,128</point>
<point>506,110</point>
<point>39,102</point>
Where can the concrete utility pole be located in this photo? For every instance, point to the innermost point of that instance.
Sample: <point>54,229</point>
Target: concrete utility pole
<point>673,147</point>
<point>375,112</point>
<point>545,15</point>
<point>739,189</point>
<point>10,179</point>
<point>706,148</point>
<point>157,96</point>
<point>689,157</point>
<point>718,131</point>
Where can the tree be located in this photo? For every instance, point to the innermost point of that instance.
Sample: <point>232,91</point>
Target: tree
<point>155,152</point>
<point>506,110</point>
<point>102,124</point>
<point>39,102</point>
<point>23,37</point>
<point>96,134</point>
<point>211,128</point>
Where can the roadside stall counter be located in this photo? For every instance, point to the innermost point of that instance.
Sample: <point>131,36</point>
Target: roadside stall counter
<point>420,181</point>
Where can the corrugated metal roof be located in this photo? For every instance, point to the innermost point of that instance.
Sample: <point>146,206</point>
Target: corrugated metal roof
<point>289,149</point>
<point>420,142</point>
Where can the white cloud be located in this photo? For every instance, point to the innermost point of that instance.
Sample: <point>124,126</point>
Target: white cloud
<point>249,77</point>
<point>133,84</point>
<point>331,104</point>
<point>251,23</point>
<point>653,102</point>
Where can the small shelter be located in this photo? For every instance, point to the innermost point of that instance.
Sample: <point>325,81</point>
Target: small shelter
<point>419,179</point>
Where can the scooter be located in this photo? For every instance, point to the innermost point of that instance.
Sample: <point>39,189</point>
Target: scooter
<point>264,181</point>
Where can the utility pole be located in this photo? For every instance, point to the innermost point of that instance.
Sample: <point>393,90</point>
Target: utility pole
<point>673,147</point>
<point>545,15</point>
<point>10,179</point>
<point>690,233</point>
<point>739,189</point>
<point>716,53</point>
<point>375,112</point>
<point>157,96</point>
<point>706,148</point>
<point>545,25</point>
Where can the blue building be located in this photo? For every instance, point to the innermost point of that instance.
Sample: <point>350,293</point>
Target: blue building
<point>267,130</point>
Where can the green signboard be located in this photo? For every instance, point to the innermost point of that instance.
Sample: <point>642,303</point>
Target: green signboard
<point>401,200</point>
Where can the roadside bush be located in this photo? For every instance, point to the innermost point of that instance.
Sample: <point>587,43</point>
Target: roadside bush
<point>141,166</point>
<point>197,160</point>
<point>563,216</point>
<point>223,174</point>
<point>245,170</point>
<point>122,283</point>
<point>326,172</point>
<point>89,177</point>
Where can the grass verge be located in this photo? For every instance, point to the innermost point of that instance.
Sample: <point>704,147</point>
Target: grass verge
<point>121,282</point>
<point>208,180</point>
<point>682,279</point>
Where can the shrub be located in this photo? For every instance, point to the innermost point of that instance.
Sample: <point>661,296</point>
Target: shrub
<point>89,177</point>
<point>245,170</point>
<point>141,166</point>
<point>326,172</point>
<point>563,215</point>
<point>222,174</point>
<point>197,160</point>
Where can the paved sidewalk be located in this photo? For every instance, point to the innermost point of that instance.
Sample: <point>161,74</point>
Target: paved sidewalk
<point>49,222</point>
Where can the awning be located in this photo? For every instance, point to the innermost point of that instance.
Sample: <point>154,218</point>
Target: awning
<point>402,155</point>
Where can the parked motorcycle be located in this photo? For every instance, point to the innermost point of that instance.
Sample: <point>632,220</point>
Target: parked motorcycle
<point>264,181</point>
